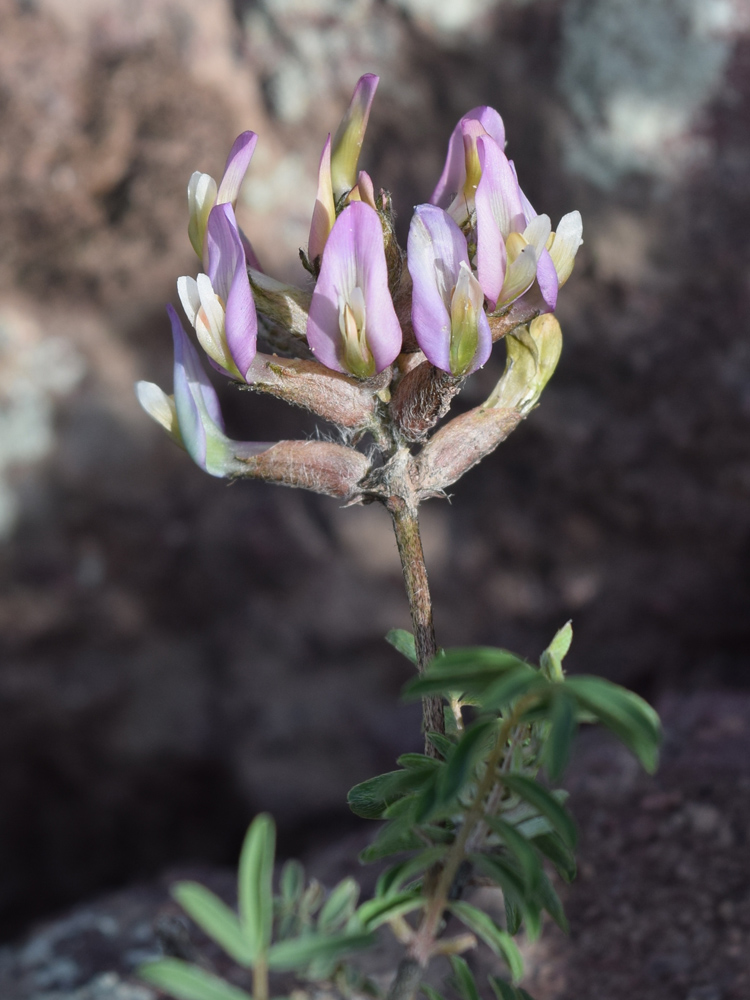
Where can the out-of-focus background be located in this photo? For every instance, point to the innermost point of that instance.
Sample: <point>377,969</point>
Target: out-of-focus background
<point>178,653</point>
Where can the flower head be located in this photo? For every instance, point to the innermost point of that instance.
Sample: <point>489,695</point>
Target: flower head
<point>352,325</point>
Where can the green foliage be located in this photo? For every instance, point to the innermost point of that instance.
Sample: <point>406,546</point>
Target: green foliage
<point>403,641</point>
<point>188,982</point>
<point>476,808</point>
<point>282,933</point>
<point>215,918</point>
<point>481,924</point>
<point>255,892</point>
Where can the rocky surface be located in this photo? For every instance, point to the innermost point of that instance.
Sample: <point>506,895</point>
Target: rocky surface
<point>177,654</point>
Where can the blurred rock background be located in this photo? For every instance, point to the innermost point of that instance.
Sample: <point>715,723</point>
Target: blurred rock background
<point>178,653</point>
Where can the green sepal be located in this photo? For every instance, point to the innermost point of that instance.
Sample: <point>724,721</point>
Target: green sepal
<point>626,714</point>
<point>498,940</point>
<point>543,800</point>
<point>188,982</point>
<point>255,889</point>
<point>214,917</point>
<point>403,641</point>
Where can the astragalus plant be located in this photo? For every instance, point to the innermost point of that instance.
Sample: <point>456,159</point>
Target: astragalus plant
<point>377,344</point>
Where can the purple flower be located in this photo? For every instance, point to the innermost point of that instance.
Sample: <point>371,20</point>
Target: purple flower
<point>511,250</point>
<point>458,182</point>
<point>193,416</point>
<point>220,304</point>
<point>203,195</point>
<point>350,135</point>
<point>352,325</point>
<point>447,300</point>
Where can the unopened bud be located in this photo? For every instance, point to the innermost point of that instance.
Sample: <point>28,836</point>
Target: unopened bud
<point>533,353</point>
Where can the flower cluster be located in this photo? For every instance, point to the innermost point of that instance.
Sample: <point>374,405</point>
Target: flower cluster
<point>382,340</point>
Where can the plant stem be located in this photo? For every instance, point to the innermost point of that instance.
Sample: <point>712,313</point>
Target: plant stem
<point>406,528</point>
<point>421,949</point>
<point>260,979</point>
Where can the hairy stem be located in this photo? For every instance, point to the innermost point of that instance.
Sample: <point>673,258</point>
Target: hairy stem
<point>406,528</point>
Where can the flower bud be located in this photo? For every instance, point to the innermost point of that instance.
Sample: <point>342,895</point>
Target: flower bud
<point>533,353</point>
<point>350,135</point>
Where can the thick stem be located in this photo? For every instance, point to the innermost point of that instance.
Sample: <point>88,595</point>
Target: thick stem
<point>406,528</point>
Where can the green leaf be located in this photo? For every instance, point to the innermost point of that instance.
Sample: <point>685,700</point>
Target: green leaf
<point>500,869</point>
<point>188,982</point>
<point>380,910</point>
<point>310,901</point>
<point>498,940</point>
<point>468,671</point>
<point>255,890</point>
<point>521,848</point>
<point>552,847</point>
<point>403,641</point>
<point>442,744</point>
<point>430,993</point>
<point>417,762</point>
<point>542,800</point>
<point>519,902</point>
<point>557,746</point>
<point>393,878</point>
<point>513,913</point>
<point>461,764</point>
<point>214,917</point>
<point>627,715</point>
<point>392,839</point>
<point>512,686</point>
<point>503,990</point>
<point>370,799</point>
<point>339,906</point>
<point>551,903</point>
<point>463,979</point>
<point>292,882</point>
<point>297,953</point>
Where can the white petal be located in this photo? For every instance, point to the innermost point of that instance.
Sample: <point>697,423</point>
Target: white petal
<point>159,406</point>
<point>187,289</point>
<point>568,238</point>
<point>537,232</point>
